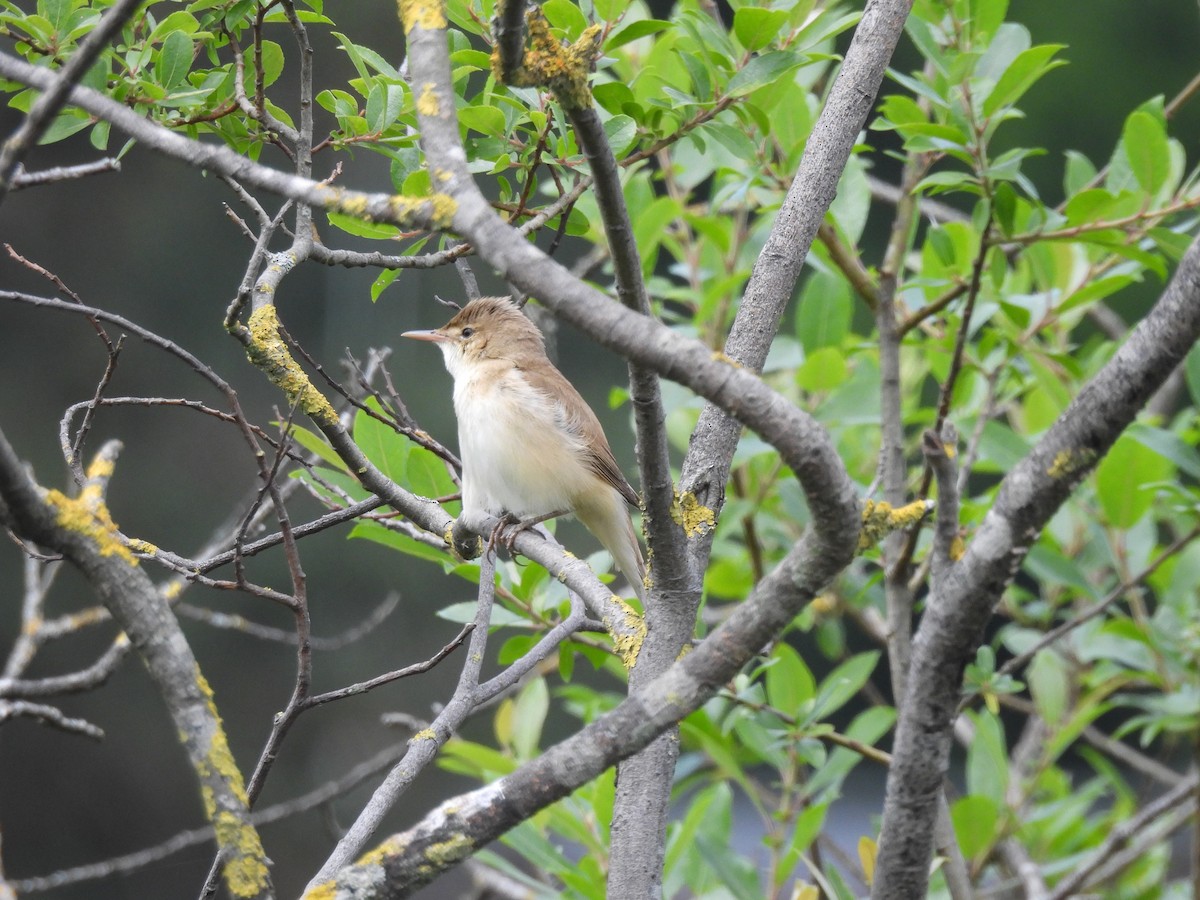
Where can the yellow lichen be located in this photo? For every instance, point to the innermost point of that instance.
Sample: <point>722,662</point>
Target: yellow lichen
<point>437,209</point>
<point>101,467</point>
<point>88,515</point>
<point>352,204</point>
<point>268,352</point>
<point>245,872</point>
<point>627,639</point>
<point>450,851</point>
<point>880,518</point>
<point>824,603</point>
<point>326,890</point>
<point>548,64</point>
<point>140,546</point>
<point>1067,462</point>
<point>219,760</point>
<point>377,855</point>
<point>719,356</point>
<point>957,548</point>
<point>427,103</point>
<point>426,14</point>
<point>425,734</point>
<point>694,517</point>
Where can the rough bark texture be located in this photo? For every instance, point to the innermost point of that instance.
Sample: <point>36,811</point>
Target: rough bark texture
<point>965,596</point>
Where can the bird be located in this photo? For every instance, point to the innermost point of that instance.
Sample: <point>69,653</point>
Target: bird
<point>531,447</point>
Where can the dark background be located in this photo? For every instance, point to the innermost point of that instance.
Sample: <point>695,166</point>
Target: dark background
<point>154,244</point>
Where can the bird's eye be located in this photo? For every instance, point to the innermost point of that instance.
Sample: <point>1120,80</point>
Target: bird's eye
<point>468,331</point>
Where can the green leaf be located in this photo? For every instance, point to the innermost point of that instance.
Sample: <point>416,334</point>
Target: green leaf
<point>735,872</point>
<point>823,370</point>
<point>1001,446</point>
<point>271,62</point>
<point>613,96</point>
<point>380,442</point>
<point>174,60</point>
<point>756,27</point>
<point>610,9</point>
<point>361,227</point>
<point>823,317</point>
<point>1122,480</point>
<point>65,125</point>
<point>1144,140</point>
<point>384,103</point>
<point>484,119</point>
<point>899,109</point>
<point>464,612</point>
<point>426,475</point>
<point>1021,75</point>
<point>634,30</point>
<point>315,443</point>
<point>529,715</point>
<point>565,15</point>
<point>476,760</point>
<point>987,758</point>
<point>1050,683</point>
<point>788,681</point>
<point>1169,445</point>
<point>761,71</point>
<point>379,285</point>
<point>380,534</point>
<point>1191,370</point>
<point>1079,172</point>
<point>844,682</point>
<point>622,134</point>
<point>975,819</point>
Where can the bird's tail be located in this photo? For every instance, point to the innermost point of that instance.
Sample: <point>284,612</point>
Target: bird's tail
<point>609,521</point>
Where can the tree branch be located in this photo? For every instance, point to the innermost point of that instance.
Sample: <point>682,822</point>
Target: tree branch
<point>81,529</point>
<point>956,614</point>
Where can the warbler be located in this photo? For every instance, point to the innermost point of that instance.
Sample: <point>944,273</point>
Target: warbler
<point>531,447</point>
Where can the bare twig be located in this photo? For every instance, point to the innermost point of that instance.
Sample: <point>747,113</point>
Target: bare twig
<point>22,179</point>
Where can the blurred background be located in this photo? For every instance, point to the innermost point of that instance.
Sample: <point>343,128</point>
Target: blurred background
<point>154,244</point>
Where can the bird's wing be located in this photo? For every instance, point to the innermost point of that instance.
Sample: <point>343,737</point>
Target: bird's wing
<point>576,418</point>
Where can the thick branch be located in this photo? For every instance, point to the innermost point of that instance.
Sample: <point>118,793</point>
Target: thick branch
<point>460,826</point>
<point>959,609</point>
<point>81,529</point>
<point>773,280</point>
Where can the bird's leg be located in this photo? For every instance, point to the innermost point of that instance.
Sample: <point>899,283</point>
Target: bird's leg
<point>515,526</point>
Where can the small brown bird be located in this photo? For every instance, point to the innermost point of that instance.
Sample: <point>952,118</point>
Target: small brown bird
<point>531,446</point>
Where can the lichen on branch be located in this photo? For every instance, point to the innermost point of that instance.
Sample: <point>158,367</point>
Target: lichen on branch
<point>548,63</point>
<point>266,350</point>
<point>880,519</point>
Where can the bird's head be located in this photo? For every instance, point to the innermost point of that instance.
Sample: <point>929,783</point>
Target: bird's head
<point>490,328</point>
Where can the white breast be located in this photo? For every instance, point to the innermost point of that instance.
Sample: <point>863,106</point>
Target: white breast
<point>516,456</point>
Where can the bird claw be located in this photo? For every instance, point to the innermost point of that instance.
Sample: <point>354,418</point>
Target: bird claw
<point>509,528</point>
<point>510,524</point>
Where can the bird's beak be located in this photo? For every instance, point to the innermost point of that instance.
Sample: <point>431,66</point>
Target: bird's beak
<point>435,336</point>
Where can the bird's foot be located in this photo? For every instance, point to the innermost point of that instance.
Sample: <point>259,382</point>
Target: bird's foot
<point>510,527</point>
